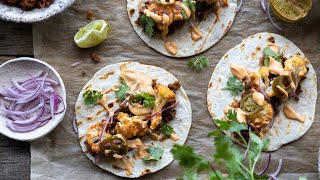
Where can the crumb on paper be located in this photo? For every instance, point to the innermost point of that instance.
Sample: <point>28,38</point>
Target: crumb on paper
<point>83,73</point>
<point>95,57</point>
<point>90,14</point>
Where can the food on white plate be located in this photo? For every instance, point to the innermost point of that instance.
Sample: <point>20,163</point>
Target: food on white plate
<point>270,85</point>
<point>181,28</point>
<point>32,103</point>
<point>29,4</point>
<point>128,117</point>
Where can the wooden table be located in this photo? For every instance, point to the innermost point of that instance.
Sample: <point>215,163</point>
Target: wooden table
<point>15,41</point>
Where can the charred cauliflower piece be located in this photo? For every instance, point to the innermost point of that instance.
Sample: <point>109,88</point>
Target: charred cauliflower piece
<point>163,96</point>
<point>130,127</point>
<point>297,64</point>
<point>262,118</point>
<point>93,137</point>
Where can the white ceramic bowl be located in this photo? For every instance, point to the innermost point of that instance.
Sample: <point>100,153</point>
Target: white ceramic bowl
<point>18,68</point>
<point>15,14</point>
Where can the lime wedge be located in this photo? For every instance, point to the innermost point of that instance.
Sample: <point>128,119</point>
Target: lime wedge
<point>291,10</point>
<point>92,34</point>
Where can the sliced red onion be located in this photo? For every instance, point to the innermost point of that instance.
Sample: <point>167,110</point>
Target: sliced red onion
<point>263,5</point>
<point>262,91</point>
<point>17,85</point>
<point>275,174</point>
<point>239,7</point>
<point>270,18</point>
<point>32,103</point>
<point>267,166</point>
<point>164,109</point>
<point>248,148</point>
<point>244,11</point>
<point>74,123</point>
<point>105,125</point>
<point>273,116</point>
<point>272,177</point>
<point>75,64</point>
<point>107,145</point>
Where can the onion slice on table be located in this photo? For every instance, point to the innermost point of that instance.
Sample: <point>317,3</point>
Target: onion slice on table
<point>31,103</point>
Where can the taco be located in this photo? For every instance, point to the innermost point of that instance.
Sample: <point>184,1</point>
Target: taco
<point>272,88</point>
<point>181,28</point>
<point>129,115</point>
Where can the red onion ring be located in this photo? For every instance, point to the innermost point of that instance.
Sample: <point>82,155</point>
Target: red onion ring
<point>267,166</point>
<point>270,18</point>
<point>262,91</point>
<point>263,5</point>
<point>164,109</point>
<point>275,174</point>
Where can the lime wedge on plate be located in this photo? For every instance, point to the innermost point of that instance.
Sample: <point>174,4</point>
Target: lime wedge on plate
<point>291,10</point>
<point>92,34</point>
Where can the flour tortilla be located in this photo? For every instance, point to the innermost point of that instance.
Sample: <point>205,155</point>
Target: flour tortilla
<point>106,80</point>
<point>213,30</point>
<point>247,54</point>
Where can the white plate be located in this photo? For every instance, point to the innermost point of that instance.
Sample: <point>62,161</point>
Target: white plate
<point>18,68</point>
<point>15,14</point>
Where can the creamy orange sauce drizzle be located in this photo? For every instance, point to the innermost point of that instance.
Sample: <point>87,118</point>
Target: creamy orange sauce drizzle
<point>290,113</point>
<point>171,47</point>
<point>123,163</point>
<point>196,33</point>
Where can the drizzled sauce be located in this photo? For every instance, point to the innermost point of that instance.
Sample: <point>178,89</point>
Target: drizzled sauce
<point>171,47</point>
<point>196,33</point>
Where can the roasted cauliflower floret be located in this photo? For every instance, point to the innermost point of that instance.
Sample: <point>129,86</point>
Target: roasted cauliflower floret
<point>93,137</point>
<point>130,127</point>
<point>262,118</point>
<point>163,96</point>
<point>252,80</point>
<point>264,73</point>
<point>297,64</point>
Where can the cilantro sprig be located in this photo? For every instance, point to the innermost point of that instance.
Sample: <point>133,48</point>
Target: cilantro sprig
<point>198,63</point>
<point>148,24</point>
<point>146,99</point>
<point>269,53</point>
<point>121,93</point>
<point>234,86</point>
<point>226,157</point>
<point>91,97</point>
<point>155,153</point>
<point>166,129</point>
<point>190,4</point>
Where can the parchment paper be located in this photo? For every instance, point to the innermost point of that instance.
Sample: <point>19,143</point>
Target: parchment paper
<point>58,155</point>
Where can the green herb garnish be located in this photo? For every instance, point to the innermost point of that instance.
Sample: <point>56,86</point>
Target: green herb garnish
<point>234,86</point>
<point>227,156</point>
<point>155,153</point>
<point>166,129</point>
<point>121,93</point>
<point>198,63</point>
<point>145,99</point>
<point>91,97</point>
<point>185,17</point>
<point>268,52</point>
<point>148,24</point>
<point>190,4</point>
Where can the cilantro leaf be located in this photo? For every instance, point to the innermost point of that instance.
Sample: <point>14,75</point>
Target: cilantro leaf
<point>91,97</point>
<point>185,17</point>
<point>234,86</point>
<point>166,129</point>
<point>155,153</point>
<point>191,5</point>
<point>148,24</point>
<point>145,99</point>
<point>269,53</point>
<point>198,63</point>
<point>121,93</point>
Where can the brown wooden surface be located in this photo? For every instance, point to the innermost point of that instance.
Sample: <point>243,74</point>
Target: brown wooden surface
<point>15,41</point>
